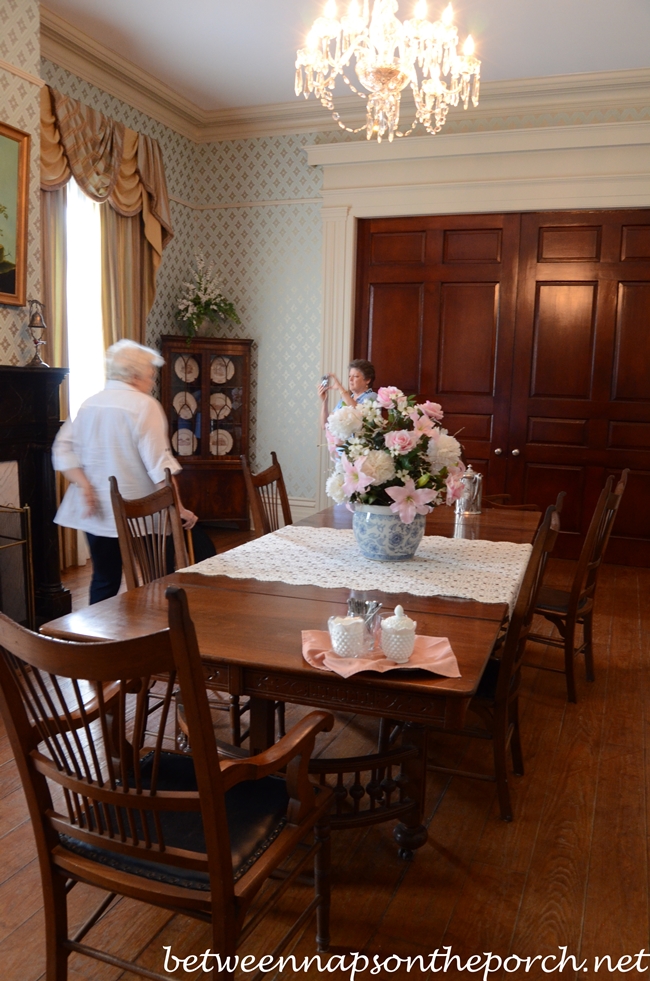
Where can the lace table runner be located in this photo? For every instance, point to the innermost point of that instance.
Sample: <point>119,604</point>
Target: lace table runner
<point>490,572</point>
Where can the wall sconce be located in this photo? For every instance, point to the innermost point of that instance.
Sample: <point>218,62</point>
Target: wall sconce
<point>37,328</point>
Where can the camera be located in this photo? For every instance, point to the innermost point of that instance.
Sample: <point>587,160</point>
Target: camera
<point>325,379</point>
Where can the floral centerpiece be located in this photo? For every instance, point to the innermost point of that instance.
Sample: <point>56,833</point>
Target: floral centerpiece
<point>392,455</point>
<point>202,298</point>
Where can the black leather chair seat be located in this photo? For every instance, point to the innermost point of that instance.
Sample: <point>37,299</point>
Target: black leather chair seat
<point>555,600</point>
<point>256,811</point>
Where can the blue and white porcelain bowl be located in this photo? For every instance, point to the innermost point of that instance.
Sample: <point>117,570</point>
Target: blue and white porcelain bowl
<point>382,536</point>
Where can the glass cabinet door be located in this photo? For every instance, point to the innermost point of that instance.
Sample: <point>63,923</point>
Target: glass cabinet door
<point>226,404</point>
<point>186,383</point>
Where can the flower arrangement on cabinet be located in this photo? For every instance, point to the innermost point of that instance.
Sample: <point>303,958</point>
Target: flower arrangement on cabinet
<point>393,452</point>
<point>202,298</point>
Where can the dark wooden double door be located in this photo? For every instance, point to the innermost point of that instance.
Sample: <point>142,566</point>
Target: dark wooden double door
<point>533,332</point>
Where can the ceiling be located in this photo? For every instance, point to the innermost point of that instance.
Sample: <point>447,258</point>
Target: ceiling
<point>223,54</point>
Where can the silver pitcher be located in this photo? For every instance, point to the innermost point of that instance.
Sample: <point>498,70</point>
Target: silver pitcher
<point>470,500</point>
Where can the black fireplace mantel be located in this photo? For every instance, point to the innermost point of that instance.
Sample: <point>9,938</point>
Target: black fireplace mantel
<point>29,410</point>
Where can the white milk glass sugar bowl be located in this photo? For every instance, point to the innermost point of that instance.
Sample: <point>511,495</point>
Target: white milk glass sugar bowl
<point>398,636</point>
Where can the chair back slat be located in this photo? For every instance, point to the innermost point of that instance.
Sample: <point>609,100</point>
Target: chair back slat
<point>75,732</point>
<point>143,529</point>
<point>267,497</point>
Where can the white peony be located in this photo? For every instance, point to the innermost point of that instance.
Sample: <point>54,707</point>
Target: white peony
<point>443,451</point>
<point>379,465</point>
<point>345,421</point>
<point>334,487</point>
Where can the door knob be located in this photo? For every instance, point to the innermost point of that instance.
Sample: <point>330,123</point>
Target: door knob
<point>498,451</point>
<point>515,452</point>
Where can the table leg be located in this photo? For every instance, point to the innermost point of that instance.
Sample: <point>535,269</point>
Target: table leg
<point>262,724</point>
<point>411,833</point>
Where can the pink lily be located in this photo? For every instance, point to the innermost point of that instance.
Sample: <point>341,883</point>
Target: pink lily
<point>409,501</point>
<point>356,480</point>
<point>422,424</point>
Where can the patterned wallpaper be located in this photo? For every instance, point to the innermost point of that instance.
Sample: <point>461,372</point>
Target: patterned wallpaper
<point>260,221</point>
<point>256,212</point>
<point>19,102</point>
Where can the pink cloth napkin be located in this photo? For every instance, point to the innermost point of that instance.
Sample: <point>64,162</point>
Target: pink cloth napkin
<point>429,654</point>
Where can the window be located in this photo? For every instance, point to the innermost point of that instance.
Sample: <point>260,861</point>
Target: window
<point>84,297</point>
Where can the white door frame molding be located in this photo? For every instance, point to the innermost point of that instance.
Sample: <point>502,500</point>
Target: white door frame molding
<point>595,166</point>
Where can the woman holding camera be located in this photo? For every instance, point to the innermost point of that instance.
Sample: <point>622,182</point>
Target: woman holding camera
<point>361,376</point>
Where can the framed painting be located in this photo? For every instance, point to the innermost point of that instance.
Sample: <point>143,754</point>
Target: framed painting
<point>14,187</point>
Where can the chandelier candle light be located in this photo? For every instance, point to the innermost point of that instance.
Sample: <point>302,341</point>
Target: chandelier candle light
<point>390,55</point>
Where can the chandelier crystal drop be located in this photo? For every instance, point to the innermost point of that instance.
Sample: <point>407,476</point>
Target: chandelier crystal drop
<point>389,56</point>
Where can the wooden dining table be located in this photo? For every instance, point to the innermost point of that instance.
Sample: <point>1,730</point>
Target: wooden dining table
<point>249,635</point>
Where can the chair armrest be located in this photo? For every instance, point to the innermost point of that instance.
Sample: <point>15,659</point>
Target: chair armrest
<point>293,751</point>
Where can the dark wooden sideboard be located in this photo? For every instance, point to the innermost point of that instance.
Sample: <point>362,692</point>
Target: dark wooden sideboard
<point>29,405</point>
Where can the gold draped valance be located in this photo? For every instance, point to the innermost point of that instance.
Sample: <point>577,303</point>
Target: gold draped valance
<point>110,162</point>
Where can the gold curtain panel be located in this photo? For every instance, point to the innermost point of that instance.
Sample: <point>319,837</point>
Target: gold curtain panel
<point>110,162</point>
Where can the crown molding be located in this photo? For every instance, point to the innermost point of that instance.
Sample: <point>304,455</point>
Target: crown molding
<point>67,46</point>
<point>510,104</point>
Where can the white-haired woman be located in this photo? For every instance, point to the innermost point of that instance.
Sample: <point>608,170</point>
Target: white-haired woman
<point>122,432</point>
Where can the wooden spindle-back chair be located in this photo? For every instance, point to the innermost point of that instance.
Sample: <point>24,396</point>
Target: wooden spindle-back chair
<point>496,703</point>
<point>192,834</point>
<point>267,497</point>
<point>567,609</point>
<point>143,530</point>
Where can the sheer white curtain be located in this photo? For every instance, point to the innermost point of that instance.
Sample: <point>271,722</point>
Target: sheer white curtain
<point>84,308</point>
<point>84,293</point>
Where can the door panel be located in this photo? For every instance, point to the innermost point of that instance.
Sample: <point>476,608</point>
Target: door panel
<point>472,245</point>
<point>574,244</point>
<point>631,375</point>
<point>563,321</point>
<point>635,242</point>
<point>396,332</point>
<point>467,308</point>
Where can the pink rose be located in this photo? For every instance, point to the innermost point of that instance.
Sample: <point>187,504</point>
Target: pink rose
<point>401,441</point>
<point>433,410</point>
<point>387,397</point>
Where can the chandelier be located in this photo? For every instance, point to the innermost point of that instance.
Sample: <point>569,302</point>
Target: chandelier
<point>390,55</point>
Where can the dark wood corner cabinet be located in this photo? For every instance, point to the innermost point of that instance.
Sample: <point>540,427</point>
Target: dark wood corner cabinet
<point>206,395</point>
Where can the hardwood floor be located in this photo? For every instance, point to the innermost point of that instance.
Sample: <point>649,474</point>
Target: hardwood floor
<point>571,870</point>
